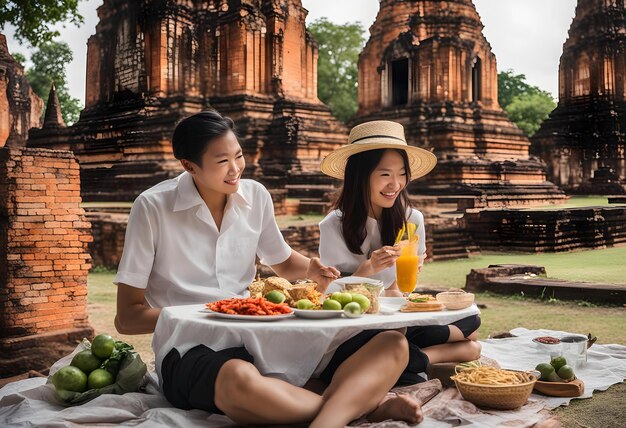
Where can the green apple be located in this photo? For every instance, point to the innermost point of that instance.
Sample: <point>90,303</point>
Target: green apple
<point>343,298</point>
<point>304,304</point>
<point>363,301</point>
<point>352,310</point>
<point>331,305</point>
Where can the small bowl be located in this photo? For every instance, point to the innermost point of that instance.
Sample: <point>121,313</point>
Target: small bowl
<point>455,300</point>
<point>557,341</point>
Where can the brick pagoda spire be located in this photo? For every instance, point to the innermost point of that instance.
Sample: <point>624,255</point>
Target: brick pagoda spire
<point>583,140</point>
<point>151,63</point>
<point>428,65</point>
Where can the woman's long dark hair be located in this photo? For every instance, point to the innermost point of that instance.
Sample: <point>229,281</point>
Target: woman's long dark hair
<point>354,201</point>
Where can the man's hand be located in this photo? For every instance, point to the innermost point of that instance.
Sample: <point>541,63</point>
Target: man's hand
<point>322,275</point>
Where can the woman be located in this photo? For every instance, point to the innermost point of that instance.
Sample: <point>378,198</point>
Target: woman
<point>194,239</point>
<point>358,236</point>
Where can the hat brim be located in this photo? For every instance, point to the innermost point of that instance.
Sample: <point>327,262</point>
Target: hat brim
<point>421,161</point>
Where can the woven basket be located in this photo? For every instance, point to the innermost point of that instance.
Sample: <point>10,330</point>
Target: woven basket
<point>456,299</point>
<point>502,397</point>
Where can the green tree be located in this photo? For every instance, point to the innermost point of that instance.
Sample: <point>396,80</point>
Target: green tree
<point>49,62</point>
<point>337,66</point>
<point>32,18</point>
<point>19,58</point>
<point>527,105</point>
<point>529,110</point>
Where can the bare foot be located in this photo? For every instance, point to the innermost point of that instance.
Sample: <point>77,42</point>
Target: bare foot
<point>400,408</point>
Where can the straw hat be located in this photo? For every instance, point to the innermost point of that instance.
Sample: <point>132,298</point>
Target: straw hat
<point>378,134</point>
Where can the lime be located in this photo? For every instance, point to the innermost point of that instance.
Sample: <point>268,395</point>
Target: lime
<point>545,369</point>
<point>363,301</point>
<point>352,310</point>
<point>99,378</point>
<point>275,296</point>
<point>566,373</point>
<point>70,378</point>
<point>304,304</point>
<point>343,298</point>
<point>86,361</point>
<point>558,362</point>
<point>331,305</point>
<point>102,346</point>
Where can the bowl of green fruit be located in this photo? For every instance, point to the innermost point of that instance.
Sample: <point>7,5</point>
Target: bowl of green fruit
<point>557,379</point>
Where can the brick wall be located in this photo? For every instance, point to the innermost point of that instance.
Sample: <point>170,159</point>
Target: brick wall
<point>43,246</point>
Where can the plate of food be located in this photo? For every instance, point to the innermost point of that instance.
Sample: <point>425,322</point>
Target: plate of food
<point>421,303</point>
<point>250,309</point>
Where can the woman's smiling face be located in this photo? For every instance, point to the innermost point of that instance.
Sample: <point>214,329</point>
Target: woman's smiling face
<point>387,181</point>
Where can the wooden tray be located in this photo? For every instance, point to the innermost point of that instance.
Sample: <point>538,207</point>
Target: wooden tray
<point>575,388</point>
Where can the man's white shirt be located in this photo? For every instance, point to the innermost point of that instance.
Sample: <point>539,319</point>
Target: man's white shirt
<point>174,250</point>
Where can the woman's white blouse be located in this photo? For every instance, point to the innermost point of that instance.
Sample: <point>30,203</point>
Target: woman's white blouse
<point>334,251</point>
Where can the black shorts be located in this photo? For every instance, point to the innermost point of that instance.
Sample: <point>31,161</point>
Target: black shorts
<point>418,361</point>
<point>189,382</point>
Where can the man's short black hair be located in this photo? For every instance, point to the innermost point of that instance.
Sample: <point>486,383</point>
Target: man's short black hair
<point>194,133</point>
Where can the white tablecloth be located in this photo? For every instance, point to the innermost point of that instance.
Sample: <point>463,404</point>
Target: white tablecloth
<point>292,349</point>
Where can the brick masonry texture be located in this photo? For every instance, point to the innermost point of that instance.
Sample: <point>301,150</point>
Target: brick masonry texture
<point>44,240</point>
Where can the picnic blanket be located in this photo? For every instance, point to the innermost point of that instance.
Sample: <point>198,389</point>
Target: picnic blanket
<point>30,403</point>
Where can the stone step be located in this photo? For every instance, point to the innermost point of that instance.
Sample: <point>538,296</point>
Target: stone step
<point>516,279</point>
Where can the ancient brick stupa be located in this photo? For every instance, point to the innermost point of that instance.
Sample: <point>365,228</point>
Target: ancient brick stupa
<point>43,235</point>
<point>584,139</point>
<point>428,66</point>
<point>151,63</point>
<point>20,107</point>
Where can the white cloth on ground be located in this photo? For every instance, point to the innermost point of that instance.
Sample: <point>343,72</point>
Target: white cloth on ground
<point>29,403</point>
<point>606,364</point>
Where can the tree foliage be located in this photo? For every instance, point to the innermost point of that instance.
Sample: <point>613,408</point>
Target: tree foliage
<point>33,19</point>
<point>49,62</point>
<point>527,105</point>
<point>337,68</point>
<point>528,111</point>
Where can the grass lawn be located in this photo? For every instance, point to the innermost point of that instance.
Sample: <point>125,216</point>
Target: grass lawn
<point>606,265</point>
<point>578,201</point>
<point>298,220</point>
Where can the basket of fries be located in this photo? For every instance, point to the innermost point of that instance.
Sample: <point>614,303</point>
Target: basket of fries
<point>495,388</point>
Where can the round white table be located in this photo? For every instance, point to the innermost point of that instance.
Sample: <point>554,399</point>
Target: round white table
<point>292,349</point>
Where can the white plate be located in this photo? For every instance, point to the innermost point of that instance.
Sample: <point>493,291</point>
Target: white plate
<point>246,317</point>
<point>317,313</point>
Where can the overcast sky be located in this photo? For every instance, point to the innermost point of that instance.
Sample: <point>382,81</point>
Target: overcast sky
<point>525,35</point>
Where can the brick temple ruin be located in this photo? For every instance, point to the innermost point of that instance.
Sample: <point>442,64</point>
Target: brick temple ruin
<point>44,238</point>
<point>584,139</point>
<point>428,66</point>
<point>151,63</point>
<point>20,107</point>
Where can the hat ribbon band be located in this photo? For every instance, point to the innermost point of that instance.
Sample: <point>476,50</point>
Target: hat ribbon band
<point>378,136</point>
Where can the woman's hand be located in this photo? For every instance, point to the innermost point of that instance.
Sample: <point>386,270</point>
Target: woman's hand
<point>322,275</point>
<point>379,260</point>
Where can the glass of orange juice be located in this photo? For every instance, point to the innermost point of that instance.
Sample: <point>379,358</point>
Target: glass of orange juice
<point>407,266</point>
